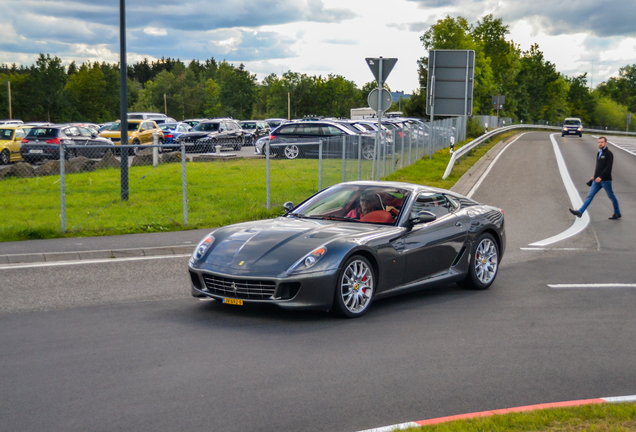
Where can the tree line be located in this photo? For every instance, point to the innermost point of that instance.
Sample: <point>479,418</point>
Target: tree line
<point>535,91</point>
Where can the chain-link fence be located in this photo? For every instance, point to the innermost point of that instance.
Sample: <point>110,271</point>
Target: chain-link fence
<point>97,187</point>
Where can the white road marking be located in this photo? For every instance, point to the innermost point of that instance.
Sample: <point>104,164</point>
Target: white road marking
<point>605,285</point>
<point>400,426</point>
<point>545,248</point>
<point>483,176</point>
<point>93,261</point>
<point>579,223</point>
<point>626,144</point>
<point>620,399</point>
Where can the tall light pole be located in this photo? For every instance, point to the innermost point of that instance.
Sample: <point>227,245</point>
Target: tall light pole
<point>123,99</point>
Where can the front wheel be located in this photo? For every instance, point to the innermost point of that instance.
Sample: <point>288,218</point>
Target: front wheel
<point>484,264</point>
<point>355,288</point>
<point>5,157</point>
<point>368,151</point>
<point>239,145</point>
<point>135,149</point>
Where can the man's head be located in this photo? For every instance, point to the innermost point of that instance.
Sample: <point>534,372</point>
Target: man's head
<point>368,200</point>
<point>602,142</point>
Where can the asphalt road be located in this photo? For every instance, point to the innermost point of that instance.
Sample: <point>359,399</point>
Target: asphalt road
<point>120,345</point>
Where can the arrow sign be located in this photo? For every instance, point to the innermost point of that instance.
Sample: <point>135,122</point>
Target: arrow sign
<point>387,67</point>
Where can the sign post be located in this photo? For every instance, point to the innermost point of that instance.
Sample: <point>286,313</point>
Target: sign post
<point>381,68</point>
<point>450,85</point>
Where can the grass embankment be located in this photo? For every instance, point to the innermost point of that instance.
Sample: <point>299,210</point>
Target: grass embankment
<point>616,417</point>
<point>218,193</point>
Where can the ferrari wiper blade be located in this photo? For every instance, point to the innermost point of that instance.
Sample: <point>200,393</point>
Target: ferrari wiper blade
<point>341,218</point>
<point>298,215</point>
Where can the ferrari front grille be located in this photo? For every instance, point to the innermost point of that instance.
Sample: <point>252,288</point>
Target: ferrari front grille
<point>239,288</point>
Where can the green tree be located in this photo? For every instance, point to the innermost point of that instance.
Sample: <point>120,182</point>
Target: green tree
<point>582,103</point>
<point>49,79</point>
<point>237,90</point>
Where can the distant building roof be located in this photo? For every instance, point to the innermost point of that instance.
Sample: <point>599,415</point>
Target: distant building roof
<point>400,94</point>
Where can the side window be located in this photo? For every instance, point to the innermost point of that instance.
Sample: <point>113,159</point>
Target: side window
<point>19,133</point>
<point>222,127</point>
<point>72,131</point>
<point>311,129</point>
<point>331,130</point>
<point>287,130</point>
<point>432,202</point>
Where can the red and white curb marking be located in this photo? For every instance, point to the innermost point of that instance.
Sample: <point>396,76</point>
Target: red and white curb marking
<point>403,426</point>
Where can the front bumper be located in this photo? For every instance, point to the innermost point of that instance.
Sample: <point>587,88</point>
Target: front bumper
<point>299,291</point>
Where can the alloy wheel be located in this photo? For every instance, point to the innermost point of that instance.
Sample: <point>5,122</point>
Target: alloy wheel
<point>356,286</point>
<point>486,261</point>
<point>292,152</point>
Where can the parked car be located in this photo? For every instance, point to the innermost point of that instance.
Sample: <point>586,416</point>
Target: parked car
<point>275,122</point>
<point>42,143</point>
<point>287,140</point>
<point>10,141</point>
<point>139,133</point>
<point>157,117</point>
<point>349,245</point>
<point>172,131</point>
<point>572,126</point>
<point>205,136</point>
<point>254,129</point>
<point>11,122</point>
<point>194,122</point>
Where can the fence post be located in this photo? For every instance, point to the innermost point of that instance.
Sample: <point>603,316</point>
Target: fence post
<point>344,172</point>
<point>155,149</point>
<point>267,178</point>
<point>402,157</point>
<point>184,184</point>
<point>410,147</point>
<point>320,166</point>
<point>359,157</point>
<point>62,188</point>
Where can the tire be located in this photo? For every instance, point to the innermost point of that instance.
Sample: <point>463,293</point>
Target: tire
<point>70,154</point>
<point>238,146</point>
<point>291,151</point>
<point>368,151</point>
<point>5,157</point>
<point>562,135</point>
<point>484,264</point>
<point>355,288</point>
<point>135,149</point>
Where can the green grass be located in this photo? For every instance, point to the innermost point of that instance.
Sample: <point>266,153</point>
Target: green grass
<point>218,193</point>
<point>598,418</point>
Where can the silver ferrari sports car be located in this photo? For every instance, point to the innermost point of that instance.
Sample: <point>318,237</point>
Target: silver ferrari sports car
<point>349,245</point>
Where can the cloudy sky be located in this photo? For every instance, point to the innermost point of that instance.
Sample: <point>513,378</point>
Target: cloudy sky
<point>316,37</point>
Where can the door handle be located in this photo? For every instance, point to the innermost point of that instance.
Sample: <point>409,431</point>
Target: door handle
<point>458,224</point>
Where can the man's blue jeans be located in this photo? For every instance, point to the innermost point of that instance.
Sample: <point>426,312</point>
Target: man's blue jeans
<point>607,185</point>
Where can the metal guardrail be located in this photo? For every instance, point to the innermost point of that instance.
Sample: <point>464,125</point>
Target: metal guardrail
<point>456,155</point>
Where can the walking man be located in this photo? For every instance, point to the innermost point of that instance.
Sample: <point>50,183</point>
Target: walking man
<point>602,179</point>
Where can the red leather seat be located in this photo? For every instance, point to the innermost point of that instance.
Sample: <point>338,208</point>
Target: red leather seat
<point>381,216</point>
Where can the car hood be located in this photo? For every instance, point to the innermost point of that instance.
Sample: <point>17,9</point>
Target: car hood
<point>268,248</point>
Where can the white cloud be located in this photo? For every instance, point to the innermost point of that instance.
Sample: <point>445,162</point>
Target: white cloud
<point>152,31</point>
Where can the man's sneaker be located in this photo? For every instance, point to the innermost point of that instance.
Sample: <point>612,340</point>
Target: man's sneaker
<point>579,214</point>
<point>616,216</point>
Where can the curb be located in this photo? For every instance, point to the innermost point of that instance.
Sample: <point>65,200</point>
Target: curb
<point>96,254</point>
<point>438,420</point>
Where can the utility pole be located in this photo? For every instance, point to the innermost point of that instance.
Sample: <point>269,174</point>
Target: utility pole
<point>9,91</point>
<point>165,104</point>
<point>288,106</point>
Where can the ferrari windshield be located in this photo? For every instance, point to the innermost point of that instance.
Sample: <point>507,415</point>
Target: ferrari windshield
<point>355,203</point>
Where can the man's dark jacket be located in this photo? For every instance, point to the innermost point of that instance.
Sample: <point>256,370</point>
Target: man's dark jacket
<point>604,165</point>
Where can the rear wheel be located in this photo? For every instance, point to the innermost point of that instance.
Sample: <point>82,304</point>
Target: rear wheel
<point>238,146</point>
<point>355,288</point>
<point>484,264</point>
<point>5,157</point>
<point>135,149</point>
<point>291,151</point>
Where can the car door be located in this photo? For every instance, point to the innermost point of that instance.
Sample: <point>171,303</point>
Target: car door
<point>76,137</point>
<point>431,248</point>
<point>14,147</point>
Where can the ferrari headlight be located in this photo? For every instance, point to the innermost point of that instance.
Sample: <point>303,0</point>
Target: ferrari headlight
<point>309,260</point>
<point>202,247</point>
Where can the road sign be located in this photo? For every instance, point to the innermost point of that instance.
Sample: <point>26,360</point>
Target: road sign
<point>385,99</point>
<point>387,67</point>
<point>450,82</point>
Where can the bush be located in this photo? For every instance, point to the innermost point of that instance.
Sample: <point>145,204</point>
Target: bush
<point>474,128</point>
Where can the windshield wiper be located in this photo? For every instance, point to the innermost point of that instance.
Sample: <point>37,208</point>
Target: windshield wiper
<point>298,215</point>
<point>339,218</point>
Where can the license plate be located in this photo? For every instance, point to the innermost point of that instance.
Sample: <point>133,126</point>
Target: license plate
<point>36,151</point>
<point>237,302</point>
